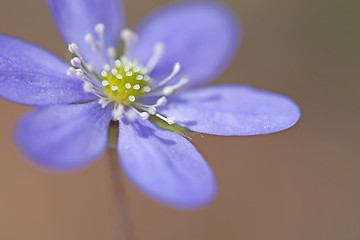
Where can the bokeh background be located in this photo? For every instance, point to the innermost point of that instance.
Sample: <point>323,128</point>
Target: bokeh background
<point>302,183</point>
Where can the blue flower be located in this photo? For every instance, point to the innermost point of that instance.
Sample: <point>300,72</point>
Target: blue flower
<point>177,47</point>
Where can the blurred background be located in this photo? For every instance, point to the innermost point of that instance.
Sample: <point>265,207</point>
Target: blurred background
<point>302,183</point>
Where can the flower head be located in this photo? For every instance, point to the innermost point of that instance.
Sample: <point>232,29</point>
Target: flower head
<point>143,85</point>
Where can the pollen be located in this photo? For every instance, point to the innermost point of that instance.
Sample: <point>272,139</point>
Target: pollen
<point>125,82</point>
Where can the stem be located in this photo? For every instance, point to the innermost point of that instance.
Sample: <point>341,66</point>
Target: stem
<point>121,200</point>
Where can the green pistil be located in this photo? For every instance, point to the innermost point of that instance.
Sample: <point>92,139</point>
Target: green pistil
<point>125,84</point>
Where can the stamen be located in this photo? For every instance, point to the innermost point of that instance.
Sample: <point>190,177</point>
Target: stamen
<point>103,102</point>
<point>176,69</point>
<point>73,48</point>
<point>114,88</point>
<point>161,102</point>
<point>169,120</point>
<point>118,112</point>
<point>88,87</point>
<point>136,87</point>
<point>111,52</point>
<point>158,52</point>
<point>128,85</point>
<point>168,90</point>
<point>129,38</point>
<point>119,76</point>
<point>71,72</point>
<point>99,29</point>
<point>144,115</point>
<point>76,62</point>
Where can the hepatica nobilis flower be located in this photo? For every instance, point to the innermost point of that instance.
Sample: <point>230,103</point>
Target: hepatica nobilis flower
<point>144,81</point>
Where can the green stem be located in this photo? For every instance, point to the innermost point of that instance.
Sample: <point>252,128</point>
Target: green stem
<point>120,196</point>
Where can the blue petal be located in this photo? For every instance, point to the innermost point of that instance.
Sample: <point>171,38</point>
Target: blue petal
<point>232,110</point>
<point>165,165</point>
<point>202,36</point>
<point>75,19</point>
<point>64,137</point>
<point>32,75</point>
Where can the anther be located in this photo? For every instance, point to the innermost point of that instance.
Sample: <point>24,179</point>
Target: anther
<point>146,89</point>
<point>71,72</point>
<point>111,52</point>
<point>139,77</point>
<point>73,48</point>
<point>129,74</point>
<point>136,87</point>
<point>105,83</point>
<point>103,102</point>
<point>99,28</point>
<point>119,76</point>
<point>128,85</point>
<point>88,87</point>
<point>161,101</point>
<point>76,62</point>
<point>144,115</point>
<point>114,88</point>
<point>171,120</point>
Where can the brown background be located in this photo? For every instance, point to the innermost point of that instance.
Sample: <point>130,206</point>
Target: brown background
<point>299,184</point>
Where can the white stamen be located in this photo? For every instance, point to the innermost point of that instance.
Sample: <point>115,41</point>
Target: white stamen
<point>119,76</point>
<point>131,114</point>
<point>176,69</point>
<point>104,73</point>
<point>161,101</point>
<point>129,74</point>
<point>91,67</point>
<point>89,38</point>
<point>99,28</point>
<point>118,112</point>
<point>114,88</point>
<point>171,120</point>
<point>106,67</point>
<point>136,69</point>
<point>129,38</point>
<point>88,87</point>
<point>105,83</point>
<point>80,73</point>
<point>151,110</point>
<point>144,115</point>
<point>158,52</point>
<point>111,51</point>
<point>136,87</point>
<point>73,48</point>
<point>132,98</point>
<point>146,78</point>
<point>168,90</point>
<point>76,62</point>
<point>114,72</point>
<point>103,102</point>
<point>146,89</point>
<point>71,72</point>
<point>139,77</point>
<point>128,85</point>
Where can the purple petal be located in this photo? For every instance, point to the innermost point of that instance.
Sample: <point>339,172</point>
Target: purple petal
<point>64,137</point>
<point>75,19</point>
<point>34,76</point>
<point>202,36</point>
<point>165,165</point>
<point>232,110</point>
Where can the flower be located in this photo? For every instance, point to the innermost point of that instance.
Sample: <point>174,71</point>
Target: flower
<point>175,48</point>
